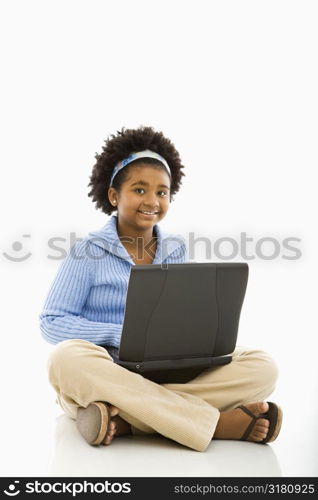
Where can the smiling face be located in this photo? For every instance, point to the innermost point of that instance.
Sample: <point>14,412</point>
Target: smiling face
<point>146,189</point>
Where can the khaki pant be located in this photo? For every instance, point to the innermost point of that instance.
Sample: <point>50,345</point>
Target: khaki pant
<point>82,372</point>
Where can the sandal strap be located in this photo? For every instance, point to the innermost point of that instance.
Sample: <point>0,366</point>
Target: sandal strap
<point>247,411</point>
<point>251,424</point>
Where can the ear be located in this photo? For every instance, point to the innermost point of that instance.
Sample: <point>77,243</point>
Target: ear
<point>112,196</point>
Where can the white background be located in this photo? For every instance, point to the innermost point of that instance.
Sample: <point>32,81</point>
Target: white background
<point>234,85</point>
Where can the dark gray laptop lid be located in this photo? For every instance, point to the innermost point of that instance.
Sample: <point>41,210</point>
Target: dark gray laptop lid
<point>177,311</point>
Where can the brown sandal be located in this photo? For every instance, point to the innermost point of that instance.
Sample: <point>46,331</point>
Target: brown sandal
<point>93,422</point>
<point>275,417</point>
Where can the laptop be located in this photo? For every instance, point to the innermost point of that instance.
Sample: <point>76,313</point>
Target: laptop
<point>180,319</point>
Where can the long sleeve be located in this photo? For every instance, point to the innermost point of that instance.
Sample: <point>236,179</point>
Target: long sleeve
<point>179,256</point>
<point>61,317</point>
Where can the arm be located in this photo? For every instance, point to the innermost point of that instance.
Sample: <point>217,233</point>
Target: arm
<point>61,317</point>
<point>179,256</point>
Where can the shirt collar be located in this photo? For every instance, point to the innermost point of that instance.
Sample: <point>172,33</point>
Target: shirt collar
<point>108,239</point>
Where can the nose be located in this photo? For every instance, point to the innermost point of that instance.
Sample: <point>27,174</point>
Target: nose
<point>150,200</point>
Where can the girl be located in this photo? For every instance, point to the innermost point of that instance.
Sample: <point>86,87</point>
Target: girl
<point>137,174</point>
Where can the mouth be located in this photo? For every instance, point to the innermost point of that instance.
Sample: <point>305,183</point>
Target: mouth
<point>147,213</point>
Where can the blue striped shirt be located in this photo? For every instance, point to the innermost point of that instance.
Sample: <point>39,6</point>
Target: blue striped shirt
<point>88,295</point>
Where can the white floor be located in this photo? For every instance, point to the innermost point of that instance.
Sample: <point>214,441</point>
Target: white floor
<point>55,448</point>
<point>39,440</point>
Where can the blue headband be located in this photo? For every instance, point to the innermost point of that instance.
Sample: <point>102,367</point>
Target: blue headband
<point>147,153</point>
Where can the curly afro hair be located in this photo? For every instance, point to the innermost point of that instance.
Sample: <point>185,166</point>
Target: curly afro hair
<point>119,146</point>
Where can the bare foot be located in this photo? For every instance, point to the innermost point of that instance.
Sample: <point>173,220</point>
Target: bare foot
<point>117,427</point>
<point>233,423</point>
